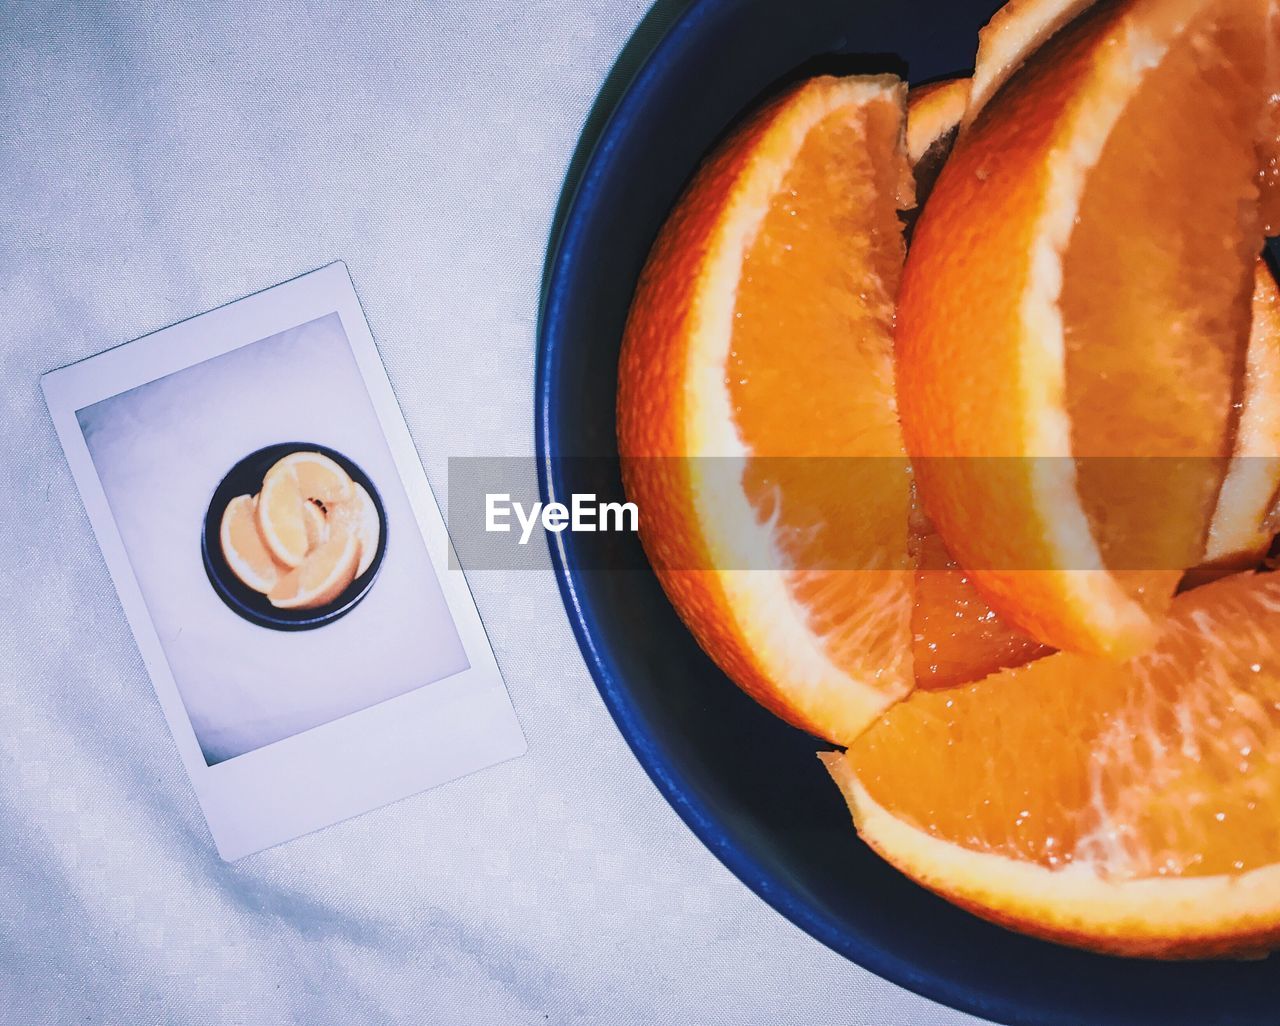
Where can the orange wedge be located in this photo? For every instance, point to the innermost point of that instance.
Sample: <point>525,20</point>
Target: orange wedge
<point>756,406</point>
<point>1148,826</point>
<point>1238,532</point>
<point>957,636</point>
<point>323,576</point>
<point>243,548</point>
<point>1074,312</point>
<point>282,518</point>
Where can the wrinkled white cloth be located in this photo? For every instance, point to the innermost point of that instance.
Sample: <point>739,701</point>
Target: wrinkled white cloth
<point>161,159</point>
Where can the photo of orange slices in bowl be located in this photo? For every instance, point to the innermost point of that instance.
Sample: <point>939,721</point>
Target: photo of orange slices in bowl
<point>288,554</point>
<point>1014,474</point>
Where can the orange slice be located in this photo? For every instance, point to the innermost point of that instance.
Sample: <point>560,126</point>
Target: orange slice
<point>956,636</point>
<point>1073,313</point>
<point>1130,808</point>
<point>756,407</point>
<point>243,548</point>
<point>323,576</point>
<point>1238,531</point>
<point>282,517</point>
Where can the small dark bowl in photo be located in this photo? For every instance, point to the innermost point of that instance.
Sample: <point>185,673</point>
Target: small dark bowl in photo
<point>245,478</point>
<point>747,784</point>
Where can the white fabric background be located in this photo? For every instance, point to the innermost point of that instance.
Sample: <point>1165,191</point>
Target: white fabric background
<point>161,449</point>
<point>158,160</point>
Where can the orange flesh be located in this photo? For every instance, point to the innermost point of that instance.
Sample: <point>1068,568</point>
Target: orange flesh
<point>247,544</point>
<point>1168,764</point>
<point>956,636</point>
<point>827,395</point>
<point>1147,378</point>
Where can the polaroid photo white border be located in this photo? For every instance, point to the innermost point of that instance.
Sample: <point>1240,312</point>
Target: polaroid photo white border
<point>444,729</point>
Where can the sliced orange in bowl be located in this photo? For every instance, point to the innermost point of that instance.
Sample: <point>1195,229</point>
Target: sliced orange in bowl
<point>1074,314</point>
<point>1125,807</point>
<point>756,414</point>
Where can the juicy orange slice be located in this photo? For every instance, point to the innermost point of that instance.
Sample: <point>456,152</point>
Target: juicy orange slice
<point>756,406</point>
<point>1126,807</point>
<point>1239,531</point>
<point>243,548</point>
<point>1073,312</point>
<point>323,576</point>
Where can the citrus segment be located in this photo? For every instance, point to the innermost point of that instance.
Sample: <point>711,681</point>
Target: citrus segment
<point>323,576</point>
<point>243,548</point>
<point>1058,302</point>
<point>1147,827</point>
<point>756,406</point>
<point>956,636</point>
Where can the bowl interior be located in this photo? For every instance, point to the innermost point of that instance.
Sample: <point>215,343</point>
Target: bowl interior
<point>747,784</point>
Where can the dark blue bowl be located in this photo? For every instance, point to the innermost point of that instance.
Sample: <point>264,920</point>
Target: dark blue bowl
<point>745,783</point>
